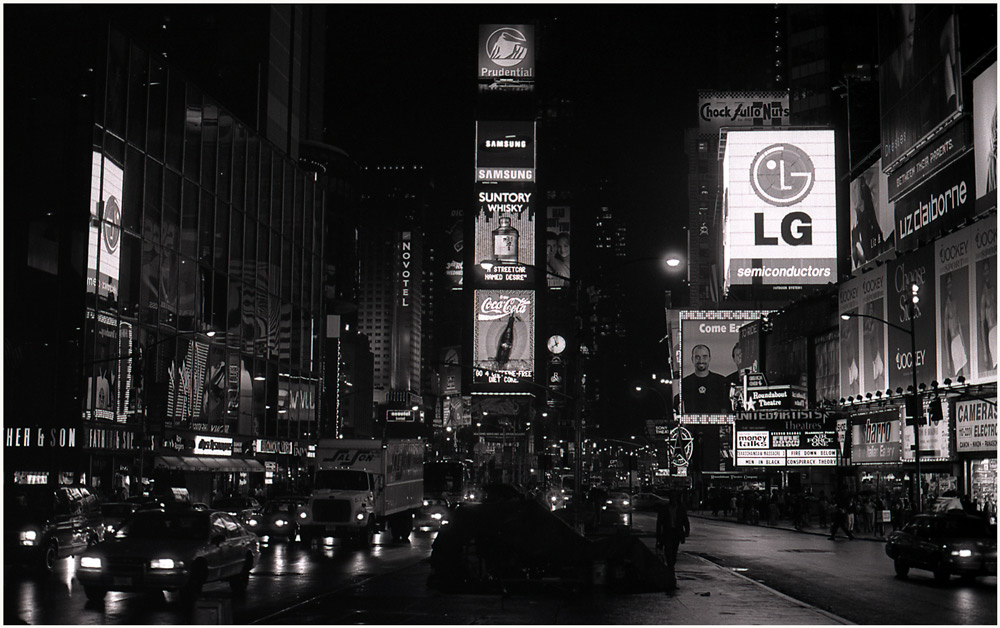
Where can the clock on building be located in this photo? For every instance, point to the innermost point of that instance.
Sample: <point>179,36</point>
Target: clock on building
<point>556,344</point>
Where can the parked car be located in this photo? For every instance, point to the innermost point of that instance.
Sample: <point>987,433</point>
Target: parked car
<point>238,506</point>
<point>952,543</point>
<point>647,501</point>
<point>170,550</point>
<point>43,523</point>
<point>115,513</point>
<point>279,518</point>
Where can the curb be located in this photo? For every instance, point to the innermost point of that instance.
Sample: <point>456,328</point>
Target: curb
<point>786,528</point>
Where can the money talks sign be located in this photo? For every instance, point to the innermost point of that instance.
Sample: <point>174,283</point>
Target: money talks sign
<point>779,208</point>
<point>503,337</point>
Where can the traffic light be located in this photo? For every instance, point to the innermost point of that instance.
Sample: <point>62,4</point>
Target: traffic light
<point>935,411</point>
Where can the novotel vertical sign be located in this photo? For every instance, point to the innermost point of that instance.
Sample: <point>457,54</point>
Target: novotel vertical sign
<point>506,51</point>
<point>405,274</point>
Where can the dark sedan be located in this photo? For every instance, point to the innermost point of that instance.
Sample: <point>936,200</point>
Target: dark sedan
<point>170,550</point>
<point>953,543</point>
<point>279,518</point>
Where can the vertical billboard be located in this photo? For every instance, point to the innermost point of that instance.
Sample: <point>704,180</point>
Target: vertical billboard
<point>503,337</point>
<point>919,76</point>
<point>104,248</point>
<point>916,268</point>
<point>848,297</point>
<point>780,211</point>
<point>710,343</point>
<point>557,246</point>
<point>728,109</point>
<point>454,250</point>
<point>873,234</point>
<point>966,303</point>
<point>506,51</point>
<point>505,151</point>
<point>504,235</point>
<point>874,339</point>
<point>984,125</point>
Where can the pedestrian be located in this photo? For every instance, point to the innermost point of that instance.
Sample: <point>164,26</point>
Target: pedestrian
<point>840,520</point>
<point>672,528</point>
<point>773,510</point>
<point>824,510</point>
<point>869,509</point>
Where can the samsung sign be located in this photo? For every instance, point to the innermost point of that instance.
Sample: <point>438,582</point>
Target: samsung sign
<point>779,208</point>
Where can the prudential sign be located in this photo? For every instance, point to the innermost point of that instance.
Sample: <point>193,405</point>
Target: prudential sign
<point>506,51</point>
<point>779,208</point>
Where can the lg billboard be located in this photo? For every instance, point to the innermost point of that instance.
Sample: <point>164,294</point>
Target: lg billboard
<point>779,208</point>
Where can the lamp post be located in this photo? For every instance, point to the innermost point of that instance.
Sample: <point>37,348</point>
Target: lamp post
<point>915,405</point>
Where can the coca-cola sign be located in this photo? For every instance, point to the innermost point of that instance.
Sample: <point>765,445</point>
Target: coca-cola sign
<point>492,309</point>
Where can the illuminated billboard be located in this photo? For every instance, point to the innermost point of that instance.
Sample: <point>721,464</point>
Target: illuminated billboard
<point>104,250</point>
<point>503,337</point>
<point>506,51</point>
<point>557,247</point>
<point>785,443</point>
<point>504,235</point>
<point>779,208</point>
<point>876,436</point>
<point>919,76</point>
<point>872,219</point>
<point>711,360</point>
<point>984,125</point>
<point>728,109</point>
<point>505,151</point>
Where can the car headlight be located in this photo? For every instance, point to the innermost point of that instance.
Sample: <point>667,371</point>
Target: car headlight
<point>436,515</point>
<point>162,563</point>
<point>625,503</point>
<point>426,503</point>
<point>962,553</point>
<point>252,521</point>
<point>29,537</point>
<point>360,516</point>
<point>90,562</point>
<point>280,523</point>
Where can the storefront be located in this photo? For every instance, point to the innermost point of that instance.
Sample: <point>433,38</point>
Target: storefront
<point>208,465</point>
<point>976,445</point>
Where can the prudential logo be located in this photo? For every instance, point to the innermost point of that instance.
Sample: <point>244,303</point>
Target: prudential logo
<point>782,174</point>
<point>507,47</point>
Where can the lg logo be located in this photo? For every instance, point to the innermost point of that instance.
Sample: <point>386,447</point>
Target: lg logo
<point>783,175</point>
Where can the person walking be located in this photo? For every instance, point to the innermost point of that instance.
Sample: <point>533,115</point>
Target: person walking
<point>823,510</point>
<point>840,520</point>
<point>672,528</point>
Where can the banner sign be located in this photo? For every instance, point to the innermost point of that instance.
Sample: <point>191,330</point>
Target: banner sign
<point>765,443</point>
<point>400,416</point>
<point>873,226</point>
<point>940,204</point>
<point>503,337</point>
<point>264,446</point>
<point>730,109</point>
<point>876,437</point>
<point>779,208</point>
<point>914,268</point>
<point>505,151</point>
<point>779,397</point>
<point>40,437</point>
<point>506,51</point>
<point>975,426</point>
<point>920,87</point>
<point>817,416</point>
<point>213,446</point>
<point>984,130</point>
<point>939,152</point>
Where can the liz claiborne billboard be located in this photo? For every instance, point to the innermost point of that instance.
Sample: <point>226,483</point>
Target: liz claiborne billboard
<point>779,208</point>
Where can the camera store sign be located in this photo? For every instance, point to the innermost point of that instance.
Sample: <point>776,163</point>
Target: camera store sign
<point>213,446</point>
<point>975,426</point>
<point>42,437</point>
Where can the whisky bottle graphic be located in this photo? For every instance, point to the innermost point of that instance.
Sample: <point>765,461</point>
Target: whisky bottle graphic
<point>505,343</point>
<point>505,241</point>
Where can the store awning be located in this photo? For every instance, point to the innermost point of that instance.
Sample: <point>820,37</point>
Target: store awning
<point>219,464</point>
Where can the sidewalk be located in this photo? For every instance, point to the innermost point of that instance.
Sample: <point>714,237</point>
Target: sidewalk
<point>707,595</point>
<point>811,528</point>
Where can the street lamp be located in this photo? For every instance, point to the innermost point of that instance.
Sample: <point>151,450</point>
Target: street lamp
<point>915,406</point>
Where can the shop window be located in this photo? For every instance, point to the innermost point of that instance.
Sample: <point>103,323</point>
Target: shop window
<point>117,85</point>
<point>187,289</point>
<point>277,193</point>
<point>138,77</point>
<point>157,98</point>
<point>130,277</point>
<point>132,193</point>
<point>264,180</point>
<point>253,172</point>
<point>235,291</point>
<point>235,241</point>
<point>209,144</point>
<point>189,220</point>
<point>220,302</point>
<point>224,167</point>
<point>192,133</point>
<point>239,165</point>
<point>221,235</point>
<point>175,118</point>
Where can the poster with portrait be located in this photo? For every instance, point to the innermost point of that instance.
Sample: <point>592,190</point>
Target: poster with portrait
<point>916,268</point>
<point>557,246</point>
<point>984,125</point>
<point>872,219</point>
<point>954,348</point>
<point>983,245</point>
<point>874,372</point>
<point>920,88</point>
<point>850,338</point>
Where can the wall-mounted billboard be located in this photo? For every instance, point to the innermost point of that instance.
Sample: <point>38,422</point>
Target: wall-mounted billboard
<point>785,443</point>
<point>505,151</point>
<point>975,426</point>
<point>711,360</point>
<point>966,303</point>
<point>719,109</point>
<point>506,51</point>
<point>876,436</point>
<point>984,125</point>
<point>503,337</point>
<point>935,437</point>
<point>780,208</point>
<point>873,233</point>
<point>917,268</point>
<point>454,254</point>
<point>104,250</point>
<point>557,269</point>
<point>941,203</point>
<point>919,76</point>
<point>504,235</point>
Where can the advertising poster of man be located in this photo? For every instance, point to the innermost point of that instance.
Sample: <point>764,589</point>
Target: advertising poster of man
<point>872,225</point>
<point>557,246</point>
<point>850,349</point>
<point>984,124</point>
<point>707,342</point>
<point>954,349</point>
<point>983,242</point>
<point>873,337</point>
<point>503,336</point>
<point>916,268</point>
<point>919,75</point>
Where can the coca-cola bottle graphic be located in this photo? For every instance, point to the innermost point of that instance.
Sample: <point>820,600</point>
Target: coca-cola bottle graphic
<point>505,241</point>
<point>506,342</point>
